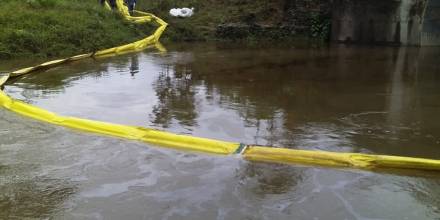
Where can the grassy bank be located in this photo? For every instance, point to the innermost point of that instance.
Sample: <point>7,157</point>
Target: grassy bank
<point>58,28</point>
<point>247,20</point>
<point>209,14</point>
<point>51,28</point>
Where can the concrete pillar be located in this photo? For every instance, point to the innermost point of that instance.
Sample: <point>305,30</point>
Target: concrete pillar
<point>430,35</point>
<point>411,14</point>
<point>405,22</point>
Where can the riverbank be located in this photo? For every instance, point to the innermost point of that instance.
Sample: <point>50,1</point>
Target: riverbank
<point>59,28</point>
<point>245,20</point>
<point>52,28</point>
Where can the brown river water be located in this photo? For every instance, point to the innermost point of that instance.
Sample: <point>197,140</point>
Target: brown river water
<point>380,100</point>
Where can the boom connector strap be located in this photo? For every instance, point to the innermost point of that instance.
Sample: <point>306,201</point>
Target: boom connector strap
<point>241,148</point>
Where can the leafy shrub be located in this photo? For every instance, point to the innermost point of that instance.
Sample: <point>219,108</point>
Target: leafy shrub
<point>320,26</point>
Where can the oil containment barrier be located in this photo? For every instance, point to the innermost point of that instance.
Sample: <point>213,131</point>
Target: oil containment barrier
<point>184,142</point>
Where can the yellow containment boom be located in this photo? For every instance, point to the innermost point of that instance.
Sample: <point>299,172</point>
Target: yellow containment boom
<point>183,142</point>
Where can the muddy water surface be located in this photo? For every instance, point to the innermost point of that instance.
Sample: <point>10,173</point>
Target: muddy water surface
<point>350,99</point>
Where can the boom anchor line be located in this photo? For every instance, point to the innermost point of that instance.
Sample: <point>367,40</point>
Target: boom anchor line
<point>189,143</point>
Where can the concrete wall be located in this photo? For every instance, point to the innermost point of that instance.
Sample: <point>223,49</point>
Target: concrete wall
<point>431,24</point>
<point>365,21</point>
<point>402,22</point>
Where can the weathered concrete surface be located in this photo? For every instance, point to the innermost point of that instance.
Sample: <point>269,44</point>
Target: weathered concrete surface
<point>405,22</point>
<point>364,21</point>
<point>431,24</point>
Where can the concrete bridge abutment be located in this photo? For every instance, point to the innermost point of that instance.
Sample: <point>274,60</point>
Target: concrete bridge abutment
<point>400,22</point>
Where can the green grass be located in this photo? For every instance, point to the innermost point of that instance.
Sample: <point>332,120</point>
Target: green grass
<point>58,28</point>
<point>54,28</point>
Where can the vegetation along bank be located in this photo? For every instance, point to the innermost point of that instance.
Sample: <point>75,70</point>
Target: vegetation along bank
<point>58,28</point>
<point>55,28</point>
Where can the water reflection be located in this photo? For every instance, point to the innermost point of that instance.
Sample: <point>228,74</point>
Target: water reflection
<point>281,92</point>
<point>340,98</point>
<point>375,100</point>
<point>134,65</point>
<point>316,103</point>
<point>176,94</point>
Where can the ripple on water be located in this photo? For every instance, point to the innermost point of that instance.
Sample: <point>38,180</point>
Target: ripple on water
<point>336,99</point>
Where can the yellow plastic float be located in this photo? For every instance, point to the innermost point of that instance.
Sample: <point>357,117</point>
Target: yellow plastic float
<point>183,142</point>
